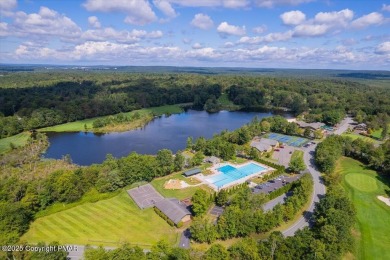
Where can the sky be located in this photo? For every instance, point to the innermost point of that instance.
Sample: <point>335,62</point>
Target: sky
<point>315,34</point>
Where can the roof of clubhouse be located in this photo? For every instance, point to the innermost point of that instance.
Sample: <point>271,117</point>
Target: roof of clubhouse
<point>316,125</point>
<point>173,209</point>
<point>264,144</point>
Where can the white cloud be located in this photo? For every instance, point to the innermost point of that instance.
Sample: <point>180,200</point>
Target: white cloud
<point>293,17</point>
<point>271,37</point>
<point>94,22</point>
<point>119,36</point>
<point>3,29</point>
<point>45,23</point>
<point>197,45</point>
<point>383,48</point>
<point>310,30</point>
<point>386,7</point>
<point>367,20</point>
<point>228,45</point>
<point>341,18</point>
<point>186,40</point>
<point>165,7</point>
<point>211,3</point>
<point>259,29</point>
<point>202,54</point>
<point>6,6</point>
<point>202,21</point>
<point>272,3</point>
<point>225,29</point>
<point>139,12</point>
<point>235,3</point>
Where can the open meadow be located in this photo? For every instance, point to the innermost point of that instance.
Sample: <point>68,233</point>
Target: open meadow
<point>87,124</point>
<point>373,225</point>
<point>16,140</point>
<point>106,222</point>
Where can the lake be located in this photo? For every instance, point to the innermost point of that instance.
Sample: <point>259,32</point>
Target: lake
<point>164,132</point>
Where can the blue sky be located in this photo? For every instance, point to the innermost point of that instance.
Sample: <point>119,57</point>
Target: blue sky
<point>242,33</point>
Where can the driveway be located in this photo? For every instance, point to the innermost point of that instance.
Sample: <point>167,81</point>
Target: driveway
<point>278,200</point>
<point>318,191</point>
<point>318,187</point>
<point>185,239</point>
<point>344,125</point>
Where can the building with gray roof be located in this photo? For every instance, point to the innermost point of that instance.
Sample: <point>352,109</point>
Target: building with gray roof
<point>313,126</point>
<point>264,144</point>
<point>175,210</point>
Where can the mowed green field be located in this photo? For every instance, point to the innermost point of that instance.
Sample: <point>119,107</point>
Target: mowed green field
<point>80,125</point>
<point>107,222</point>
<point>354,136</point>
<point>17,140</point>
<point>373,215</point>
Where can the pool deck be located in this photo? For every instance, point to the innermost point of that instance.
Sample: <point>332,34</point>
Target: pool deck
<point>214,170</point>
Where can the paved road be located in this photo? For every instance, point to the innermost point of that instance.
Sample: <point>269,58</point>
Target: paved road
<point>343,126</point>
<point>318,191</point>
<point>278,200</point>
<point>318,187</point>
<point>185,239</point>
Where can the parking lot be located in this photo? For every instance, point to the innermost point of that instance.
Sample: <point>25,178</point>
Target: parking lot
<point>275,184</point>
<point>283,154</point>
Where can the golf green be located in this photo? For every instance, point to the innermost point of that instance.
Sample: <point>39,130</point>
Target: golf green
<point>372,219</point>
<point>361,182</point>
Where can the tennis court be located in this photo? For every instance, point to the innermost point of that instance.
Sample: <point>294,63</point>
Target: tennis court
<point>289,140</point>
<point>145,196</point>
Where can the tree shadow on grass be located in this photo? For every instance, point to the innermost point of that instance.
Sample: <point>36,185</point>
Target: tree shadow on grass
<point>385,179</point>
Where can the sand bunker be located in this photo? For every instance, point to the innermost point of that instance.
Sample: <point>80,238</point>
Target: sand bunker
<point>385,200</point>
<point>174,184</point>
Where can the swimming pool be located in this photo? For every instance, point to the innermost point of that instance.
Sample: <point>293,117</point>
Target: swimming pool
<point>230,173</point>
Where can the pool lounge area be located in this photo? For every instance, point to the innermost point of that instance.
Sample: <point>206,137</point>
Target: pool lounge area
<point>227,174</point>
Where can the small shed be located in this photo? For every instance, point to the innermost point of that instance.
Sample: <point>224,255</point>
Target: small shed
<point>212,159</point>
<point>192,172</point>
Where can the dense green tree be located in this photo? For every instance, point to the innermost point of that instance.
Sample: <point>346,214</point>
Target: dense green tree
<point>165,161</point>
<point>222,198</point>
<point>297,164</point>
<point>197,159</point>
<point>179,161</point>
<point>200,202</point>
<point>216,252</point>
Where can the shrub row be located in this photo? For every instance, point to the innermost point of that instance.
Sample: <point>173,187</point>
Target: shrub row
<point>281,191</point>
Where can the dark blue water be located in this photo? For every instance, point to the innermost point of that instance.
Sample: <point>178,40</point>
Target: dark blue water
<point>164,132</point>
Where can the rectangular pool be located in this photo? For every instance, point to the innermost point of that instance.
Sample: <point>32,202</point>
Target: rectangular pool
<point>229,173</point>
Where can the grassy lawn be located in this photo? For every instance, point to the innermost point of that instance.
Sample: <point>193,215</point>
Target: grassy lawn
<point>355,136</point>
<point>106,222</point>
<point>238,160</point>
<point>224,101</point>
<point>373,225</point>
<point>158,184</point>
<point>80,125</point>
<point>297,154</point>
<point>377,134</point>
<point>17,140</point>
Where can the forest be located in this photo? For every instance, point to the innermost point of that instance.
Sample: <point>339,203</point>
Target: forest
<point>58,98</point>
